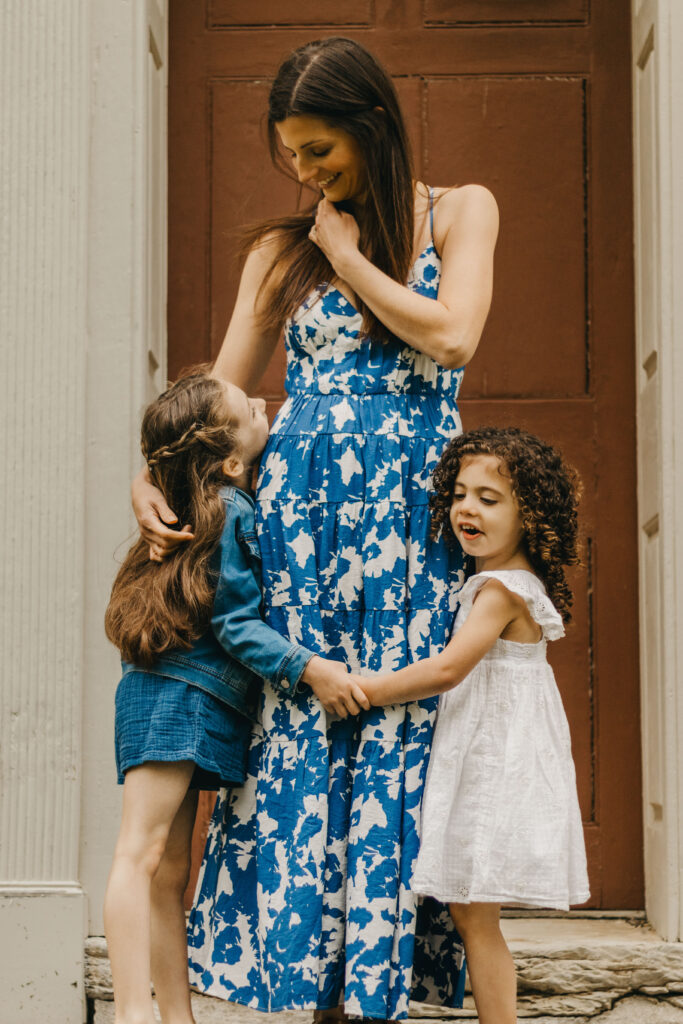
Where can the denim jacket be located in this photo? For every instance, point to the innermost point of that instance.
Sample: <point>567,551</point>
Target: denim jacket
<point>239,650</point>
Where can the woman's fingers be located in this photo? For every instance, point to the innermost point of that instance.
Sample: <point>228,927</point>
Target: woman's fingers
<point>161,539</point>
<point>166,514</point>
<point>156,532</point>
<point>360,696</point>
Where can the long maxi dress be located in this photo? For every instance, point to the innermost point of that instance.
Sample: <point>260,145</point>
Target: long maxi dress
<point>304,892</point>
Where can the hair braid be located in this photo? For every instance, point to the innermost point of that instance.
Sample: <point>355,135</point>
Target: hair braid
<point>214,438</point>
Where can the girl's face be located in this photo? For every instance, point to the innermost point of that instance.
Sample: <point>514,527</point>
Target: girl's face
<point>324,156</point>
<point>484,514</point>
<point>250,420</point>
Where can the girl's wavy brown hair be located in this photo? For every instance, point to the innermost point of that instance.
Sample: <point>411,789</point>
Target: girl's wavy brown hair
<point>157,606</point>
<point>545,488</point>
<point>339,81</point>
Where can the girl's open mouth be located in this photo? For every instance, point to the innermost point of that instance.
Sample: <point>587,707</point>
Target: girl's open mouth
<point>470,531</point>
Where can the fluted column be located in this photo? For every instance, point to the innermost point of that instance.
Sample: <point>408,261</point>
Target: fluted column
<point>44,97</point>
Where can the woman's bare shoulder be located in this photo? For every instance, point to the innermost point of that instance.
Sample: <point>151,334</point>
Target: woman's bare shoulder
<point>460,200</point>
<point>466,207</point>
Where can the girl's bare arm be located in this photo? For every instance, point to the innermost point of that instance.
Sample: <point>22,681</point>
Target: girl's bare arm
<point>493,610</point>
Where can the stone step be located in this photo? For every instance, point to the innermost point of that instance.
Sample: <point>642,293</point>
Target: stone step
<point>632,1010</point>
<point>568,969</point>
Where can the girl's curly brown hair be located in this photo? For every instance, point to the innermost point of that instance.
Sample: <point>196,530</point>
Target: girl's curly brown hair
<point>185,437</point>
<point>545,488</point>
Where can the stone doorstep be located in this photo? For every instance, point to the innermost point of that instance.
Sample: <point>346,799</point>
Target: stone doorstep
<point>571,968</point>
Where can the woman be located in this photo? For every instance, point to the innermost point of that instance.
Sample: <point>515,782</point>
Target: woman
<point>382,289</point>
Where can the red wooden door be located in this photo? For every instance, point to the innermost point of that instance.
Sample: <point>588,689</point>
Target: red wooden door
<point>532,98</point>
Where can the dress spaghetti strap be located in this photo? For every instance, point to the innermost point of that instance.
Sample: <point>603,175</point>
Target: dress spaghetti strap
<point>431,213</point>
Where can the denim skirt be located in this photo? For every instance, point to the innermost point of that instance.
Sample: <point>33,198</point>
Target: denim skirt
<point>164,719</point>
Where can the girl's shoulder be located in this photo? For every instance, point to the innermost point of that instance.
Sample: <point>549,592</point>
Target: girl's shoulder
<point>239,509</point>
<point>523,585</point>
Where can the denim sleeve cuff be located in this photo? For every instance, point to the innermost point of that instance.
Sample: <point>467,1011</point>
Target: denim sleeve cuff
<point>291,670</point>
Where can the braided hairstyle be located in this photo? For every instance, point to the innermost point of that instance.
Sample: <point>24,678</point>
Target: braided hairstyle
<point>545,488</point>
<point>186,435</point>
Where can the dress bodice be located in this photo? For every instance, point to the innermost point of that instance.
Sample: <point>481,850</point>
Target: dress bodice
<point>328,354</point>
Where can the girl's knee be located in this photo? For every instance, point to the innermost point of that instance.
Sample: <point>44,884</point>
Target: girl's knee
<point>469,917</point>
<point>173,872</point>
<point>143,852</point>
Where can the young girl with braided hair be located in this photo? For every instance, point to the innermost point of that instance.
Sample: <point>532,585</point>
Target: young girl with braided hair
<point>500,814</point>
<point>195,650</point>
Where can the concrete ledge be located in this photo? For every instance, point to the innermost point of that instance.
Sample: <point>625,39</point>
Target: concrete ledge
<point>41,949</point>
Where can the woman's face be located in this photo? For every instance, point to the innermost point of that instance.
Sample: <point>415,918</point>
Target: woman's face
<point>324,156</point>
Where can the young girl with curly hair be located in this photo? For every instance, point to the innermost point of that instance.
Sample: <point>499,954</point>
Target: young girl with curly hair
<point>500,814</point>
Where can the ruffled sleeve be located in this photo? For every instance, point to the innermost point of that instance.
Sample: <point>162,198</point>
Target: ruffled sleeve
<point>526,586</point>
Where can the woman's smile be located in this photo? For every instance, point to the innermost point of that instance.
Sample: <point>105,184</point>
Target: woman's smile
<point>329,181</point>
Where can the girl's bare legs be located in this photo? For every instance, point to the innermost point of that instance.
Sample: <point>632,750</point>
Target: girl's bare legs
<point>169,930</point>
<point>492,971</point>
<point>152,796</point>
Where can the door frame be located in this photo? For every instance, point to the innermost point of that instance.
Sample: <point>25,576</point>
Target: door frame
<point>657,35</point>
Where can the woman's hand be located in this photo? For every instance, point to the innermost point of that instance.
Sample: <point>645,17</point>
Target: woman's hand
<point>334,687</point>
<point>152,514</point>
<point>336,233</point>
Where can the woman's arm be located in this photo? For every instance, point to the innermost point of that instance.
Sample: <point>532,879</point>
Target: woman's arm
<point>243,357</point>
<point>247,349</point>
<point>494,608</point>
<point>449,329</point>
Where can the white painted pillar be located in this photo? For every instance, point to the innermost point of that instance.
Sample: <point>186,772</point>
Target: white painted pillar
<point>44,96</point>
<point>82,348</point>
<point>126,310</point>
<point>658,153</point>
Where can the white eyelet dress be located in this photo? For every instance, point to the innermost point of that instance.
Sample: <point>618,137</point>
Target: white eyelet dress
<point>500,813</point>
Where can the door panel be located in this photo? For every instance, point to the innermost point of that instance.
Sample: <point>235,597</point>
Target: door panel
<point>532,98</point>
<point>494,130</point>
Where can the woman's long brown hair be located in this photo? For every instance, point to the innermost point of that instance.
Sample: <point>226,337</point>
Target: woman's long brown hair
<point>158,606</point>
<point>341,82</point>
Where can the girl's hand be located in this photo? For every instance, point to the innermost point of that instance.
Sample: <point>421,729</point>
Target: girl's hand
<point>152,514</point>
<point>336,233</point>
<point>334,687</point>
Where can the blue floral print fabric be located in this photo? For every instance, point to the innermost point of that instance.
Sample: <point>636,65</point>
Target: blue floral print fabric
<point>304,893</point>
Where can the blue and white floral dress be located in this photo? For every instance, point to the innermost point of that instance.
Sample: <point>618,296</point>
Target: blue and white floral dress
<point>304,893</point>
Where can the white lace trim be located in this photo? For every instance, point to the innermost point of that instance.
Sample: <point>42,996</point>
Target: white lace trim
<point>526,586</point>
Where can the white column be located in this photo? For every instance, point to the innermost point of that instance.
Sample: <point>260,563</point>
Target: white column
<point>82,348</point>
<point>658,152</point>
<point>44,96</point>
<point>126,305</point>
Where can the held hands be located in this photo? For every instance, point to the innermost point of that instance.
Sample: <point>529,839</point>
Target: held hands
<point>378,689</point>
<point>152,514</point>
<point>337,691</point>
<point>336,233</point>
